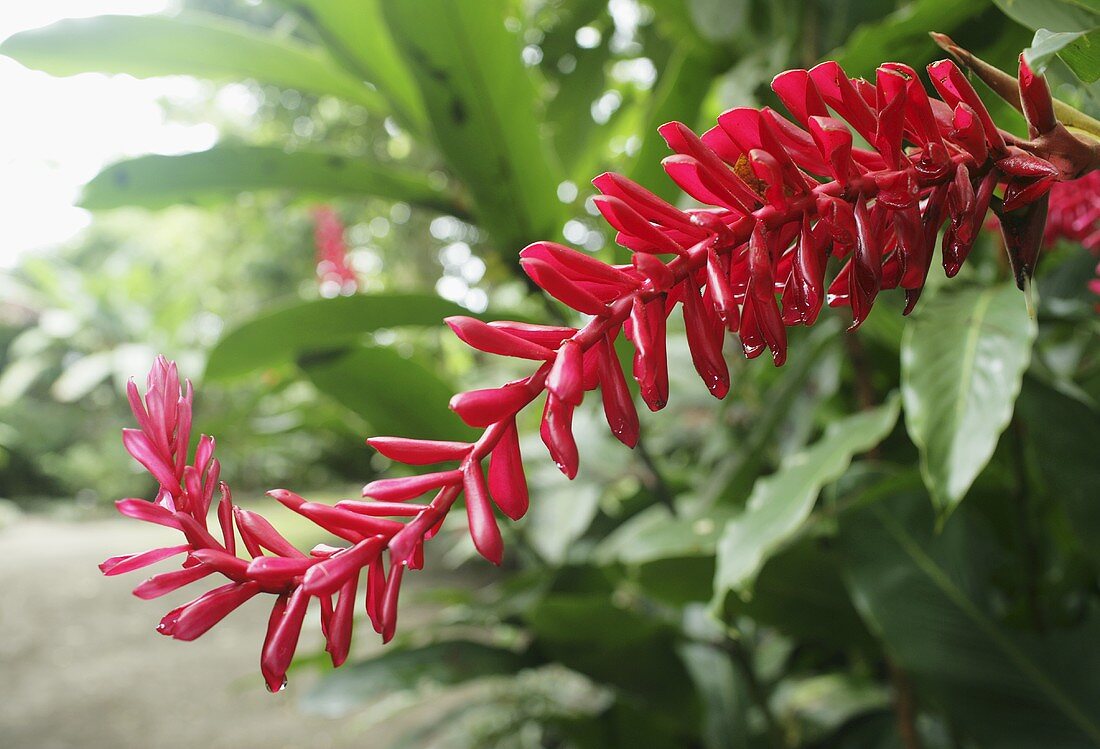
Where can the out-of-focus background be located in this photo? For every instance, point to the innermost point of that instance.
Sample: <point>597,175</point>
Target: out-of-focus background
<point>286,198</point>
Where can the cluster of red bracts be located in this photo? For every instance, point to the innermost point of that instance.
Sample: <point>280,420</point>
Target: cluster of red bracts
<point>332,251</point>
<point>784,197</point>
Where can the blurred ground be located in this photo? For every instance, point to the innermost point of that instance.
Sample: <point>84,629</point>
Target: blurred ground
<point>82,667</point>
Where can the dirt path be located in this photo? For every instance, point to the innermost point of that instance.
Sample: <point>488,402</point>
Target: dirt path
<point>82,668</point>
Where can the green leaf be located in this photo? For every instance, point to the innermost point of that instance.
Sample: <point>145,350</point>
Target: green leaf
<point>962,361</point>
<point>397,670</point>
<point>226,170</point>
<point>197,44</point>
<point>392,393</point>
<point>678,95</point>
<point>623,647</point>
<point>780,503</point>
<point>1080,50</point>
<point>482,105</point>
<point>723,694</point>
<point>1063,433</point>
<point>925,596</point>
<point>278,336</point>
<point>903,35</point>
<point>356,35</point>
<point>1056,15</point>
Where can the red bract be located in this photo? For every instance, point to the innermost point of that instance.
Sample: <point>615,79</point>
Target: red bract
<point>784,197</point>
<point>1074,212</point>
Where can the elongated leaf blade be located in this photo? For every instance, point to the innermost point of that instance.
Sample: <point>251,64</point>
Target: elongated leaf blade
<point>924,594</point>
<point>397,670</point>
<point>279,336</point>
<point>962,362</point>
<point>482,105</point>
<point>195,44</point>
<point>392,393</point>
<point>225,171</point>
<point>780,503</point>
<point>356,36</point>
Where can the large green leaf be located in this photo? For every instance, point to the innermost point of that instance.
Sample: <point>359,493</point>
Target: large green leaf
<point>356,35</point>
<point>924,593</point>
<point>226,170</point>
<point>278,336</point>
<point>1064,435</point>
<point>482,105</point>
<point>678,95</point>
<point>780,503</point>
<point>1079,49</point>
<point>962,361</point>
<point>195,44</point>
<point>1056,15</point>
<point>903,35</point>
<point>392,393</point>
<point>395,670</point>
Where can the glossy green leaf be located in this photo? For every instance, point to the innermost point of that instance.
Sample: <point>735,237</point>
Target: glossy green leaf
<point>396,670</point>
<point>924,594</point>
<point>226,170</point>
<point>392,393</point>
<point>355,34</point>
<point>278,336</point>
<point>903,35</point>
<point>962,361</point>
<point>1080,50</point>
<point>482,105</point>
<point>780,503</point>
<point>197,44</point>
<point>1055,15</point>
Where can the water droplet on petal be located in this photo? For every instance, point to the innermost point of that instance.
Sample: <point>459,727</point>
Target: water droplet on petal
<point>274,691</point>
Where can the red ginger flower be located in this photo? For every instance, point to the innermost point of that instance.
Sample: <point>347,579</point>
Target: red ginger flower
<point>333,268</point>
<point>784,197</point>
<point>1074,212</point>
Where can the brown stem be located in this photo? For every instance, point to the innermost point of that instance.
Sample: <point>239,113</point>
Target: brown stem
<point>654,480</point>
<point>905,706</point>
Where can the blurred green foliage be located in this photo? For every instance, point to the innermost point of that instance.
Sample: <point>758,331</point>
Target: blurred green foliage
<point>770,570</point>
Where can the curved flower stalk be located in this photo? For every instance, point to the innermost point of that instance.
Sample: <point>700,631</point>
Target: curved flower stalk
<point>784,196</point>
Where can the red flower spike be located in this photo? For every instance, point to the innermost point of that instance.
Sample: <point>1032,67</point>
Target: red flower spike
<point>705,348</point>
<point>481,408</point>
<point>326,577</point>
<point>822,197</point>
<point>561,288</point>
<point>577,266</point>
<point>339,637</point>
<point>130,562</point>
<point>799,94</point>
<point>953,86</point>
<point>419,452</point>
<point>566,379</point>
<point>629,222</point>
<point>650,360</point>
<point>194,619</point>
<point>479,513</point>
<point>507,481</point>
<point>557,435</point>
<point>279,650</point>
<point>484,337</point>
<point>657,273</point>
<point>1036,101</point>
